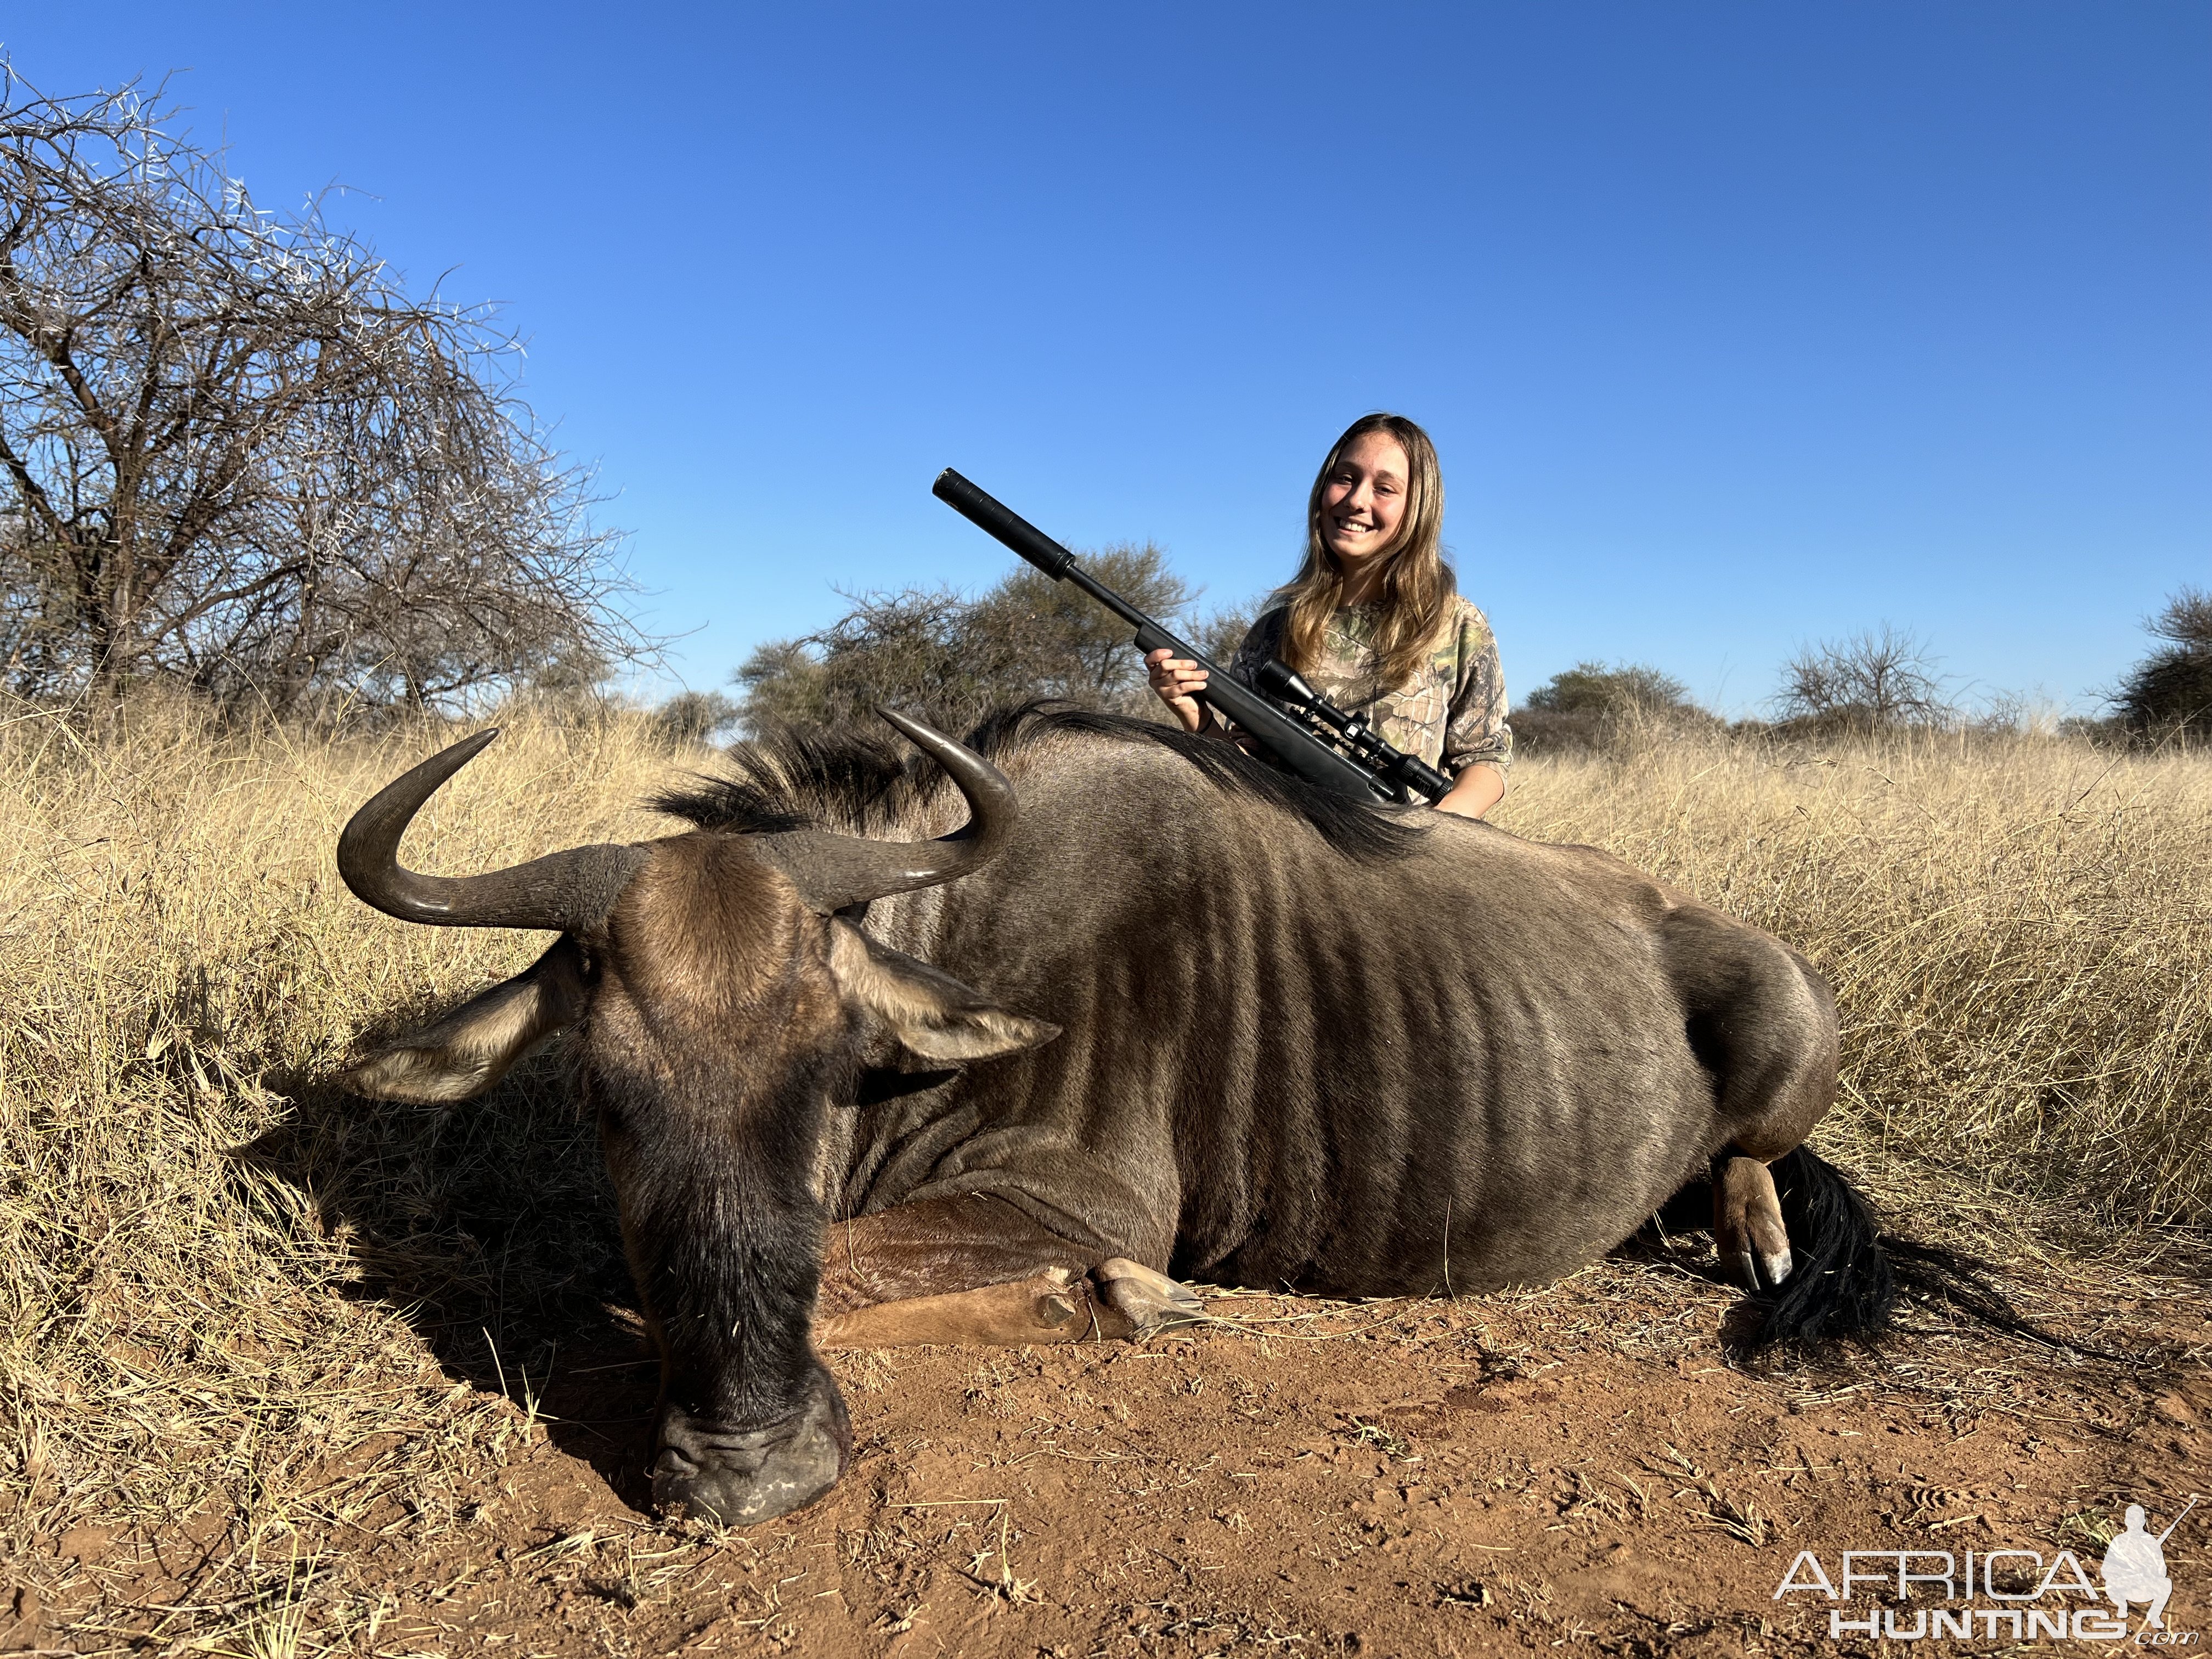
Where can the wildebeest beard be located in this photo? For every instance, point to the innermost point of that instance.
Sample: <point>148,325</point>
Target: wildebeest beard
<point>1180,1017</point>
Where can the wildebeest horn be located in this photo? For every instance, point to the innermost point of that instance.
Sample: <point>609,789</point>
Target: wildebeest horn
<point>558,892</point>
<point>832,870</point>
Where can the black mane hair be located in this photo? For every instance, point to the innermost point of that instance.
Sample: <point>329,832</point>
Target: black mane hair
<point>789,779</point>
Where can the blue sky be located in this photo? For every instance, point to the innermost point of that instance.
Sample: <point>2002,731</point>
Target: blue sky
<point>1737,325</point>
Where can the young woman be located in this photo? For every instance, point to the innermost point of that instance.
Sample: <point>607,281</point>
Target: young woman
<point>1374,620</point>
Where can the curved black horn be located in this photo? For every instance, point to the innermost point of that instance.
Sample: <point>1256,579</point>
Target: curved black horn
<point>558,892</point>
<point>832,870</point>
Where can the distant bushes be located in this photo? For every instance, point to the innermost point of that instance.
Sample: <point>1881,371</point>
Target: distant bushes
<point>950,658</point>
<point>1591,707</point>
<point>1877,684</point>
<point>2168,695</point>
<point>695,717</point>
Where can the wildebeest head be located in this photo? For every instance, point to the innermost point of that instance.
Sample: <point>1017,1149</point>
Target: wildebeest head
<point>722,1009</point>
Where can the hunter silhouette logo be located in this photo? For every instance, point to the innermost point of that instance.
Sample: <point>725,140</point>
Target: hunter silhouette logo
<point>1907,1595</point>
<point>2135,1566</point>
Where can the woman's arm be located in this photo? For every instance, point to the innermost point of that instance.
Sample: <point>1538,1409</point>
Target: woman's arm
<point>1478,743</point>
<point>1477,789</point>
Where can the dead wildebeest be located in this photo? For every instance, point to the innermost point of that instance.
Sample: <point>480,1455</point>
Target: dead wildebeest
<point>1299,1042</point>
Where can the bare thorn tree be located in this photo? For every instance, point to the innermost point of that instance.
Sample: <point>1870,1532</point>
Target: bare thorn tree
<point>1874,681</point>
<point>235,453</point>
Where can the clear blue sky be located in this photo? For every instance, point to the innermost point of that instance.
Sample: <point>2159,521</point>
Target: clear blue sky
<point>1737,325</point>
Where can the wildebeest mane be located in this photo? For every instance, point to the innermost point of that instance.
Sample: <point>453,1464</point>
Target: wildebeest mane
<point>853,778</point>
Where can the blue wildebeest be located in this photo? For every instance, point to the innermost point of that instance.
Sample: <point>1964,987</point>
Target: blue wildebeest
<point>866,1074</point>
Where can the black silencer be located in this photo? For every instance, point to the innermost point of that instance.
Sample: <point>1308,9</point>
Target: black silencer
<point>994,518</point>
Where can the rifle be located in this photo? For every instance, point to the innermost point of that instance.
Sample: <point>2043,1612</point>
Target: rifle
<point>1317,740</point>
<point>2176,1521</point>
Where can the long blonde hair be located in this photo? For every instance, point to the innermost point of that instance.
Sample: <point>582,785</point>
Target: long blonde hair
<point>1417,586</point>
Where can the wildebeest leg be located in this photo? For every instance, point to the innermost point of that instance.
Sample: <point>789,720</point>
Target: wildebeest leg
<point>978,1269</point>
<point>1054,1305</point>
<point>1747,1216</point>
<point>1762,1021</point>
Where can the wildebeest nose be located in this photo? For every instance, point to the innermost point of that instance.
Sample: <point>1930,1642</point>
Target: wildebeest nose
<point>739,1478</point>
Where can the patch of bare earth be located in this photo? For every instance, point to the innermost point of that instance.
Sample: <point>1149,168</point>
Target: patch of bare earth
<point>1578,1468</point>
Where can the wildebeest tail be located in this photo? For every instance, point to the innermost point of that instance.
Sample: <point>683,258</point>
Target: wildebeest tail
<point>1843,1286</point>
<point>1849,1275</point>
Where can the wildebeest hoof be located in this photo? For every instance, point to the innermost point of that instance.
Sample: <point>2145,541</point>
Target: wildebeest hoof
<point>1764,1271</point>
<point>1149,1301</point>
<point>740,1478</point>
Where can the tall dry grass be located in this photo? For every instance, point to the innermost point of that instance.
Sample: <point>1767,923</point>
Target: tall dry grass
<point>232,1300</point>
<point>2017,928</point>
<point>234,1303</point>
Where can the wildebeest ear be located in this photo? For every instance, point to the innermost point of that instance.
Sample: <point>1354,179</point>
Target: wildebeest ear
<point>472,1048</point>
<point>931,1013</point>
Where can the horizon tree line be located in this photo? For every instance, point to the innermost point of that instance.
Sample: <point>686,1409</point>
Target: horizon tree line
<point>952,657</point>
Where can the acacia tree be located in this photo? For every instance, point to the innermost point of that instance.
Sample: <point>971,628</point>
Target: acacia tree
<point>2168,695</point>
<point>234,451</point>
<point>953,659</point>
<point>1876,681</point>
<point>1592,706</point>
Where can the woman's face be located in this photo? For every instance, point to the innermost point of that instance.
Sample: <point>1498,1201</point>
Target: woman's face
<point>1363,501</point>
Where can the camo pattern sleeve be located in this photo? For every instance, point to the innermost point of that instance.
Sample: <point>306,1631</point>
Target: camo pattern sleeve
<point>1262,641</point>
<point>1451,712</point>
<point>1476,733</point>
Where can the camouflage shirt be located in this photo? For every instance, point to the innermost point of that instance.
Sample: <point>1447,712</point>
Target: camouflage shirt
<point>1451,712</point>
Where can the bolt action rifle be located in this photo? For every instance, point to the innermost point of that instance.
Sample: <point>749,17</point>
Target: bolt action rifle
<point>1308,734</point>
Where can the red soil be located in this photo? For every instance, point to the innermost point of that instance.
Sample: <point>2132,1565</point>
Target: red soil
<point>1575,1468</point>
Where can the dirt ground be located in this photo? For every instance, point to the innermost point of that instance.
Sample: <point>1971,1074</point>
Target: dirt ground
<point>1576,1468</point>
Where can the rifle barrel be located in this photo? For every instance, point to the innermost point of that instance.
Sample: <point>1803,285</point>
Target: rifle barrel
<point>2177,1519</point>
<point>1276,731</point>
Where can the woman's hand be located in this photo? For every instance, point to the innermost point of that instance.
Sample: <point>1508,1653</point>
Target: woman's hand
<point>1177,680</point>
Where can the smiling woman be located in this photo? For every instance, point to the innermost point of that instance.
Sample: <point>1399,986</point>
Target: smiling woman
<point>1375,619</point>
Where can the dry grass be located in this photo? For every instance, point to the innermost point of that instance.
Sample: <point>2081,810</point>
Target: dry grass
<point>205,1256</point>
<point>2016,929</point>
<point>232,1302</point>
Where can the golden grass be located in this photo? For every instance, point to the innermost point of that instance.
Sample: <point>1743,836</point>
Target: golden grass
<point>232,1302</point>
<point>2017,930</point>
<point>204,1253</point>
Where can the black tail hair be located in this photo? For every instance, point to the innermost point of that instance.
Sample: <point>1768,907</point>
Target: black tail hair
<point>1849,1275</point>
<point>1844,1286</point>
